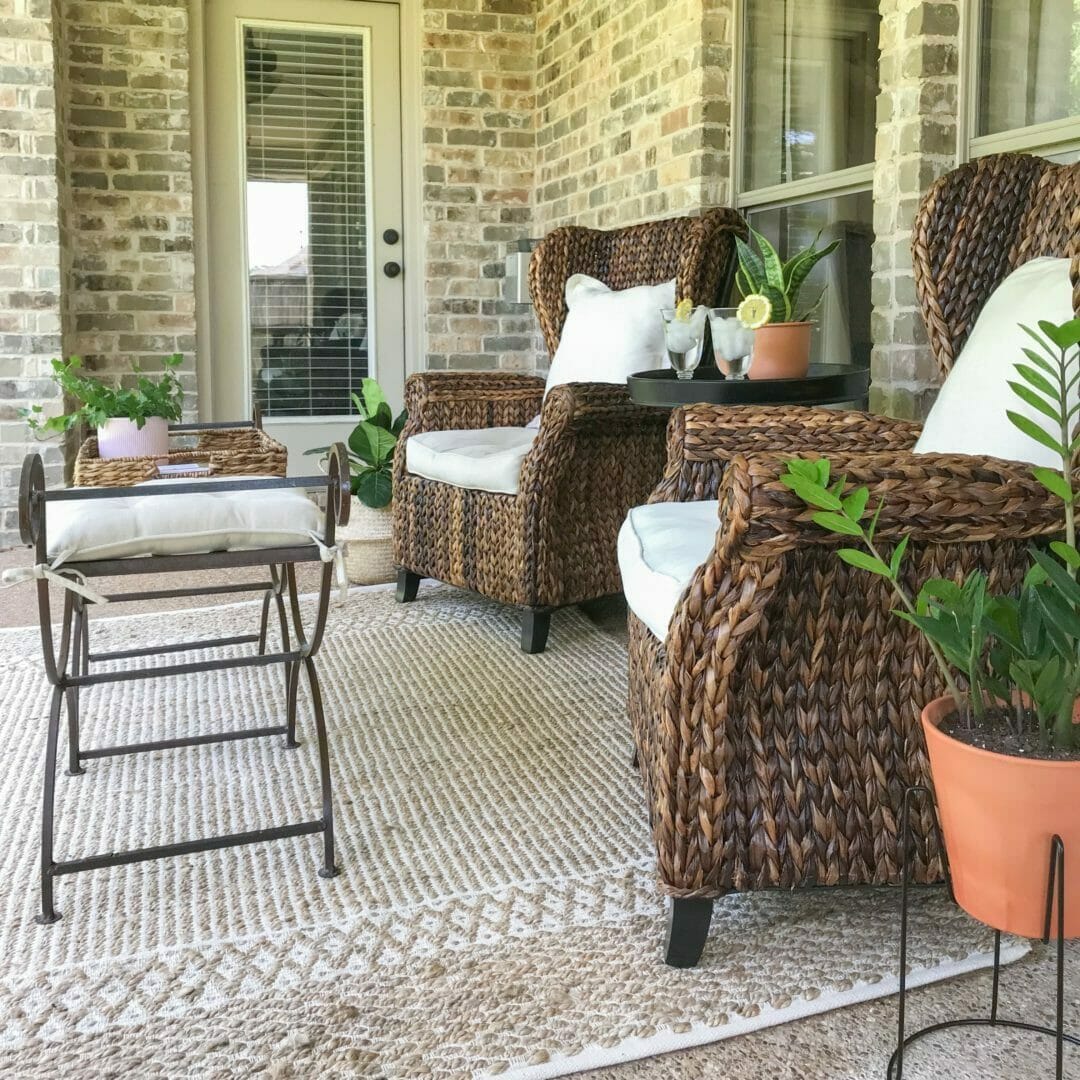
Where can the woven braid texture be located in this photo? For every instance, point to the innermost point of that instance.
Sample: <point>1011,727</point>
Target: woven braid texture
<point>778,724</point>
<point>596,454</point>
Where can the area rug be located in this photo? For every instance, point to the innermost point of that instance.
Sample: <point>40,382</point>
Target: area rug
<point>496,914</point>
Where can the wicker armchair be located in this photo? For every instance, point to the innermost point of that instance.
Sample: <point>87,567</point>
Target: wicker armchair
<point>777,724</point>
<point>596,454</point>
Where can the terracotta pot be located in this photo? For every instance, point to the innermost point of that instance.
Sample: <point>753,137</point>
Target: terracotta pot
<point>781,351</point>
<point>998,816</point>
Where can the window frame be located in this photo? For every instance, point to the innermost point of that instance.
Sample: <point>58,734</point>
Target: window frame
<point>854,180</point>
<point>1051,137</point>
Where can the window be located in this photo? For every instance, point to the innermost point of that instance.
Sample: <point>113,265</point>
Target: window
<point>305,135</point>
<point>806,143</point>
<point>1024,73</point>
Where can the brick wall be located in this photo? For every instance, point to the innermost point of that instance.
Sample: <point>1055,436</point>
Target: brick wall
<point>916,143</point>
<point>632,109</point>
<point>124,82</point>
<point>29,239</point>
<point>478,102</point>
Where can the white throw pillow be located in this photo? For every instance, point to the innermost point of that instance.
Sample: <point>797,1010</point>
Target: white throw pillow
<point>969,415</point>
<point>609,335</point>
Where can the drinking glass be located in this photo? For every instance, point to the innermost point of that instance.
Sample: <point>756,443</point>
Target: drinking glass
<point>684,340</point>
<point>733,343</point>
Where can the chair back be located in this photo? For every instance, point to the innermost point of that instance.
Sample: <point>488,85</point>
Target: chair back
<point>698,252</point>
<point>980,222</point>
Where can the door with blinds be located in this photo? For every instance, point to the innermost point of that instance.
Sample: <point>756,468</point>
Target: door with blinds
<point>304,192</point>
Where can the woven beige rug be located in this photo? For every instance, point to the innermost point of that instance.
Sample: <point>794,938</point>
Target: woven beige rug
<point>496,912</point>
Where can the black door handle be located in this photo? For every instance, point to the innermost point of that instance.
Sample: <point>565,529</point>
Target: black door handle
<point>392,269</point>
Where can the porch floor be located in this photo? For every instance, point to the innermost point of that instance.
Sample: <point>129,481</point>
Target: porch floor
<point>848,1044</point>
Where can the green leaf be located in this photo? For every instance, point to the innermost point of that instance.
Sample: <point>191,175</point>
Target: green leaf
<point>836,523</point>
<point>811,492</point>
<point>374,487</point>
<point>774,268</point>
<point>1040,382</point>
<point>1066,553</point>
<point>1033,431</point>
<point>373,396</point>
<point>855,503</point>
<point>864,561</point>
<point>898,556</point>
<point>1035,401</point>
<point>1063,335</point>
<point>372,444</point>
<point>752,267</point>
<point>1042,362</point>
<point>1054,482</point>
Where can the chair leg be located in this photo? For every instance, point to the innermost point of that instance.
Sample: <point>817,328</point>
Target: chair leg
<point>535,624</point>
<point>688,927</point>
<point>49,913</point>
<point>407,585</point>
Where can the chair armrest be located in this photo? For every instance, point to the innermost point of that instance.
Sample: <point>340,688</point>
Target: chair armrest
<point>452,400</point>
<point>703,439</point>
<point>938,499</point>
<point>579,412</point>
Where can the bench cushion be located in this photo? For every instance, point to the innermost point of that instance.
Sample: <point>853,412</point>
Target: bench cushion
<point>660,547</point>
<point>129,526</point>
<point>487,459</point>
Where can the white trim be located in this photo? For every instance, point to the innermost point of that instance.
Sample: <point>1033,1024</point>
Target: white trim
<point>412,226</point>
<point>1051,137</point>
<point>410,32</point>
<point>831,185</point>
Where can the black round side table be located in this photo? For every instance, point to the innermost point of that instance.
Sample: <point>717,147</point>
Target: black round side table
<point>825,384</point>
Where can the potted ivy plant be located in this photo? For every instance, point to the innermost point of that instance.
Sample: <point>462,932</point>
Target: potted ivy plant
<point>1004,742</point>
<point>368,538</point>
<point>130,421</point>
<point>771,306</point>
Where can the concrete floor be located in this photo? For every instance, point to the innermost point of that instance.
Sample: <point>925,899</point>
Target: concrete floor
<point>849,1044</point>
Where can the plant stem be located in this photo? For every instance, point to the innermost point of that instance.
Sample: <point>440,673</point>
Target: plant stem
<point>908,603</point>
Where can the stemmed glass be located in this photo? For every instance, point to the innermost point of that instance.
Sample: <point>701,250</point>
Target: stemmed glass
<point>733,343</point>
<point>684,340</point>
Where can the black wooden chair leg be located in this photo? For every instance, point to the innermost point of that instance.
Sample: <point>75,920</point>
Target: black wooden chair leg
<point>688,927</point>
<point>407,585</point>
<point>535,624</point>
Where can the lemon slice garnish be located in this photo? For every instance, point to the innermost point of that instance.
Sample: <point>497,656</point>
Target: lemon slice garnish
<point>754,311</point>
<point>684,309</point>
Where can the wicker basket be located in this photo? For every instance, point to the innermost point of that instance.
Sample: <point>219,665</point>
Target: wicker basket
<point>227,451</point>
<point>369,545</point>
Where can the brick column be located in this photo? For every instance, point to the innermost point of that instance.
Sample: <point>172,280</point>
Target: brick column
<point>916,143</point>
<point>29,243</point>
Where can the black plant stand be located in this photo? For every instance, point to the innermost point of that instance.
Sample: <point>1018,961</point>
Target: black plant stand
<point>1055,896</point>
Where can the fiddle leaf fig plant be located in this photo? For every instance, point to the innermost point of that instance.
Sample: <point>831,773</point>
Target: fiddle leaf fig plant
<point>1019,652</point>
<point>371,446</point>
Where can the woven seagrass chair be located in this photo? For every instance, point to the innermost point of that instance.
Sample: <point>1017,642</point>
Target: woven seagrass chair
<point>776,724</point>
<point>596,455</point>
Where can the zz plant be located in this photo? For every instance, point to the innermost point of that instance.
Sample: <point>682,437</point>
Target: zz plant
<point>371,446</point>
<point>761,272</point>
<point>1019,652</point>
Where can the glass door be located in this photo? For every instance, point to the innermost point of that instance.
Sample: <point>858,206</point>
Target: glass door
<point>305,212</point>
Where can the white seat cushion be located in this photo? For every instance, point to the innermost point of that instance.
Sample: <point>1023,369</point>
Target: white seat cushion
<point>181,524</point>
<point>968,416</point>
<point>609,335</point>
<point>660,547</point>
<point>488,459</point>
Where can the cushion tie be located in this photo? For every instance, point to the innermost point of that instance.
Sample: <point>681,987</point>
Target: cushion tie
<point>71,580</point>
<point>336,555</point>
